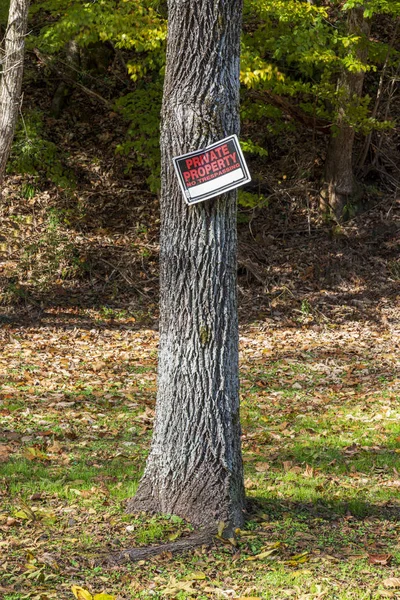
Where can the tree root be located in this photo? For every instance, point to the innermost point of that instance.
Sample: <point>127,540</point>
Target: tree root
<point>184,544</point>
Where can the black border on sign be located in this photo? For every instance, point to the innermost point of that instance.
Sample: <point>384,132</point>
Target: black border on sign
<point>219,191</point>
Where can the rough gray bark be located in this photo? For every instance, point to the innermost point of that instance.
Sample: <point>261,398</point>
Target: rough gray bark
<point>11,81</point>
<point>195,467</point>
<point>339,176</point>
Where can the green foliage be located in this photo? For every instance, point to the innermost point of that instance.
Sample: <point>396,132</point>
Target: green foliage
<point>297,49</point>
<point>252,148</point>
<point>4,7</point>
<point>292,43</point>
<point>249,200</point>
<point>373,7</point>
<point>138,29</point>
<point>142,109</point>
<point>126,25</point>
<point>32,154</point>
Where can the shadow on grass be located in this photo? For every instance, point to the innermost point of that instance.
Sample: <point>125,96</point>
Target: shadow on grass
<point>341,457</point>
<point>275,509</point>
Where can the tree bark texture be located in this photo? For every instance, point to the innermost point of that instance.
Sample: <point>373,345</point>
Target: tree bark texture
<point>339,176</point>
<point>194,469</point>
<point>11,79</point>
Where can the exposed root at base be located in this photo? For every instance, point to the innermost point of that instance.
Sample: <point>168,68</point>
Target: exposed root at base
<point>185,544</point>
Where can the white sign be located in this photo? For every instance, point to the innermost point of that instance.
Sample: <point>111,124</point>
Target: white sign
<point>212,171</point>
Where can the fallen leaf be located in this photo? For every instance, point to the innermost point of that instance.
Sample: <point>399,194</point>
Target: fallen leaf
<point>80,593</point>
<point>309,472</point>
<point>298,559</point>
<point>48,559</point>
<point>24,514</point>
<point>303,535</point>
<point>32,453</point>
<point>392,582</point>
<point>249,484</point>
<point>98,366</point>
<point>196,576</point>
<point>380,559</point>
<point>262,555</point>
<point>354,557</point>
<point>300,572</point>
<point>221,527</point>
<point>4,453</point>
<point>261,467</point>
<point>175,586</point>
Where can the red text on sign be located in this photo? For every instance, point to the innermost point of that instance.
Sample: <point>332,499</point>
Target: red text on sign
<point>208,163</point>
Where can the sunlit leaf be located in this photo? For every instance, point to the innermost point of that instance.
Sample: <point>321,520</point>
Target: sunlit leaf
<point>392,582</point>
<point>80,593</point>
<point>262,555</point>
<point>21,514</point>
<point>196,576</point>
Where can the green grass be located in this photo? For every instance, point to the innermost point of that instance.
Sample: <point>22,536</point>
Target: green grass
<point>321,450</point>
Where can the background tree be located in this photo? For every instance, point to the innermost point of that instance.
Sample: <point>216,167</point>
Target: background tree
<point>11,80</point>
<point>304,66</point>
<point>339,175</point>
<point>194,468</point>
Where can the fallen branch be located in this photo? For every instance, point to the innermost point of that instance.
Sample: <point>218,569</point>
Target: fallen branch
<point>185,544</point>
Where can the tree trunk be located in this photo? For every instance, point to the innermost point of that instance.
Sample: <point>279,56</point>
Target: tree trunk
<point>72,64</point>
<point>11,81</point>
<point>339,177</point>
<point>194,469</point>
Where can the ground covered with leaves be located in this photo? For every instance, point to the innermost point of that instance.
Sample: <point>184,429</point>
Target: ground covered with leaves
<point>321,441</point>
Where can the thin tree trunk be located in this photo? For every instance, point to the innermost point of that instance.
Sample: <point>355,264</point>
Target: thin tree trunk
<point>72,63</point>
<point>11,81</point>
<point>367,143</point>
<point>339,177</point>
<point>195,467</point>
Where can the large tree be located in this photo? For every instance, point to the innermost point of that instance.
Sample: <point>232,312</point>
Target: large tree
<point>195,467</point>
<point>12,64</point>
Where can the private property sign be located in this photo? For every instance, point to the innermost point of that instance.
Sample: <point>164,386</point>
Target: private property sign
<point>212,171</point>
